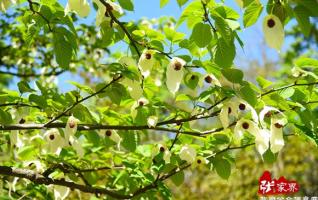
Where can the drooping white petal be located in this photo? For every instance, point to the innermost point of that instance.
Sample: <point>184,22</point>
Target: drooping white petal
<point>228,110</point>
<point>113,135</point>
<point>81,7</point>
<point>141,102</point>
<point>146,62</point>
<point>71,127</point>
<point>276,137</point>
<point>174,74</point>
<point>269,111</point>
<point>262,141</point>
<point>273,32</point>
<point>211,79</point>
<point>127,61</point>
<point>245,125</point>
<point>224,116</point>
<point>60,192</point>
<point>152,121</point>
<point>166,156</point>
<point>245,108</point>
<point>15,139</point>
<point>55,142</point>
<point>188,153</point>
<point>34,164</point>
<point>78,148</point>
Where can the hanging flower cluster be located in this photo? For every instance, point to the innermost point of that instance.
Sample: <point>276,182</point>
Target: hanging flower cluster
<point>100,15</point>
<point>81,7</point>
<point>266,137</point>
<point>146,62</point>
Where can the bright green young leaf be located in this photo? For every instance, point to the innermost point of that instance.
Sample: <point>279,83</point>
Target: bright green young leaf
<point>127,4</point>
<point>224,54</point>
<point>252,13</point>
<point>302,16</point>
<point>233,75</point>
<point>201,35</point>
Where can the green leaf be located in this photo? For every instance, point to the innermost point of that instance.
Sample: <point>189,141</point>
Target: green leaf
<point>81,87</point>
<point>130,139</point>
<point>248,94</point>
<point>222,167</point>
<point>269,157</point>
<point>288,92</point>
<point>223,28</point>
<point>225,53</point>
<point>163,3</point>
<point>27,152</point>
<point>39,100</point>
<point>127,4</point>
<point>178,178</point>
<point>116,92</point>
<point>201,35</point>
<point>306,62</point>
<point>63,48</point>
<point>181,2</point>
<point>263,83</point>
<point>302,17</point>
<point>5,117</point>
<point>233,75</point>
<point>252,13</point>
<point>24,87</point>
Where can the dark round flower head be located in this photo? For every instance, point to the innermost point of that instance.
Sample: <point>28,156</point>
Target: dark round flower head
<point>177,66</point>
<point>148,56</point>
<point>193,77</point>
<point>278,125</point>
<point>229,110</point>
<point>51,137</point>
<point>268,114</point>
<point>141,103</point>
<point>162,149</point>
<point>199,161</point>
<point>245,125</point>
<point>108,133</point>
<point>208,79</point>
<point>242,106</point>
<point>22,121</point>
<point>71,124</point>
<point>270,23</point>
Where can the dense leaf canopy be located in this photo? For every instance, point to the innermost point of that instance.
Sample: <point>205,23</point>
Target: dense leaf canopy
<point>166,102</point>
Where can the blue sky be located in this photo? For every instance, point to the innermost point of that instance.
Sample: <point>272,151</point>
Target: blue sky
<point>252,36</point>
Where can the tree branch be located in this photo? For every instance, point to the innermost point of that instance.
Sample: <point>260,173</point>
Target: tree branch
<point>52,73</point>
<point>288,86</point>
<point>40,14</point>
<point>82,100</point>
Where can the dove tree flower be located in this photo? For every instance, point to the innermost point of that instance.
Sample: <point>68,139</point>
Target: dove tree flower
<point>174,74</point>
<point>277,121</point>
<point>160,148</point>
<point>188,153</point>
<point>236,108</point>
<point>273,32</point>
<point>139,103</point>
<point>60,192</point>
<point>55,142</point>
<point>146,62</point>
<point>70,128</point>
<point>81,7</point>
<point>100,15</point>
<point>113,135</point>
<point>212,80</point>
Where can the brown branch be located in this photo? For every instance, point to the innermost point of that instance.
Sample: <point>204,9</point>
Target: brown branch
<point>52,73</point>
<point>40,14</point>
<point>288,86</point>
<point>40,179</point>
<point>82,100</point>
<point>206,16</point>
<point>18,104</point>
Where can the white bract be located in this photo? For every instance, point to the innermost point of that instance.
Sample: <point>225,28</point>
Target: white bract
<point>141,102</point>
<point>15,139</point>
<point>235,108</point>
<point>55,142</point>
<point>60,192</point>
<point>152,121</point>
<point>174,74</point>
<point>273,32</point>
<point>211,79</point>
<point>100,15</point>
<point>277,121</point>
<point>146,62</point>
<point>133,87</point>
<point>113,135</point>
<point>81,7</point>
<point>161,149</point>
<point>188,153</point>
<point>70,128</point>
